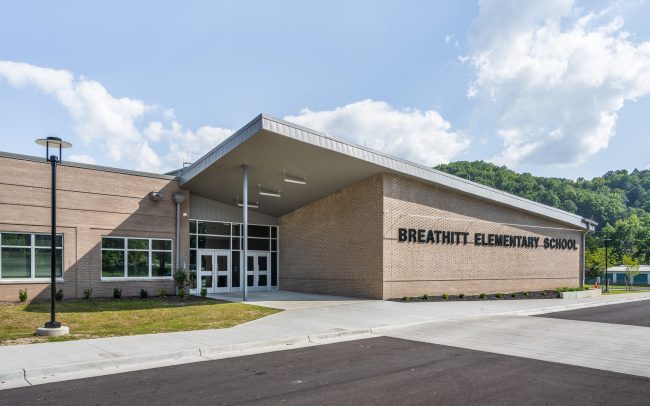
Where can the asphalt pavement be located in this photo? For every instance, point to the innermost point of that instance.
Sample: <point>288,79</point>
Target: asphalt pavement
<point>631,314</point>
<point>373,371</point>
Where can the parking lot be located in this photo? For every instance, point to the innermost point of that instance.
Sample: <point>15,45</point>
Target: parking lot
<point>631,314</point>
<point>363,372</point>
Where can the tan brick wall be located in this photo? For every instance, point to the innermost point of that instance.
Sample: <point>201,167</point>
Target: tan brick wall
<point>91,203</point>
<point>412,269</point>
<point>333,245</point>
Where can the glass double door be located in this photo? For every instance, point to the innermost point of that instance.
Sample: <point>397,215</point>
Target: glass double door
<point>258,266</point>
<point>215,271</point>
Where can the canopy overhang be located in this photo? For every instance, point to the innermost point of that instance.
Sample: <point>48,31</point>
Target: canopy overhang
<point>274,148</point>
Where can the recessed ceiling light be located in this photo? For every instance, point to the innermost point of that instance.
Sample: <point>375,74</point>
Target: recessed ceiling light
<point>294,179</point>
<point>266,192</point>
<point>255,205</point>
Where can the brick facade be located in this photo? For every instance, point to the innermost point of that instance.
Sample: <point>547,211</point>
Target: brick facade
<point>343,244</point>
<point>333,245</point>
<point>346,244</point>
<point>92,202</point>
<point>412,269</point>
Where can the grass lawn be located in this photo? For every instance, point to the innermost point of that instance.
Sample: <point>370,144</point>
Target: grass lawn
<point>113,317</point>
<point>621,291</point>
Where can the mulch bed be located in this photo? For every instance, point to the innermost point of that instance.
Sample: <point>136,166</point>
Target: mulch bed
<point>541,294</point>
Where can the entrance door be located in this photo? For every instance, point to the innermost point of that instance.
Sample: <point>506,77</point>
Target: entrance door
<point>258,270</point>
<point>214,270</point>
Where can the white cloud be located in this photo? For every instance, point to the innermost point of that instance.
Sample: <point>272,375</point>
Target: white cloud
<point>111,124</point>
<point>419,136</point>
<point>559,76</point>
<point>186,145</point>
<point>82,159</point>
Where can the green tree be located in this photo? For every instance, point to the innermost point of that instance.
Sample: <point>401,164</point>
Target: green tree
<point>632,269</point>
<point>619,201</point>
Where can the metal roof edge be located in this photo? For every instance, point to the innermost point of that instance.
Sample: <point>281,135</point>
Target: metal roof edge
<point>22,157</point>
<point>222,149</point>
<point>412,169</point>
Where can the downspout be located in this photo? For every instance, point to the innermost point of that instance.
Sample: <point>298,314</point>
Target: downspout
<point>591,226</point>
<point>179,198</point>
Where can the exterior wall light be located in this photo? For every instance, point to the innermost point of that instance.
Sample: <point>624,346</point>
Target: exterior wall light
<point>266,192</point>
<point>156,196</point>
<point>294,179</point>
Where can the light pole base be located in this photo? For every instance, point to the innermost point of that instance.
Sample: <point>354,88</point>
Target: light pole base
<point>52,331</point>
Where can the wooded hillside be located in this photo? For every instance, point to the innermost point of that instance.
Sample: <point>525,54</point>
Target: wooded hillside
<point>619,201</point>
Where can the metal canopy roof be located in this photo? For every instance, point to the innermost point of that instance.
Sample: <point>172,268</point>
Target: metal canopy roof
<point>270,147</point>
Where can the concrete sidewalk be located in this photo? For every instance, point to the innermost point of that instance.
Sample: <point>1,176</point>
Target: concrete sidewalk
<point>332,320</point>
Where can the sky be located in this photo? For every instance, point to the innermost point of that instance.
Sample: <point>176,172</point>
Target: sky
<point>555,87</point>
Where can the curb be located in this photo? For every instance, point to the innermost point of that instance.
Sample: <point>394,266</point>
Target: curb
<point>33,375</point>
<point>255,345</point>
<point>575,306</point>
<point>25,377</point>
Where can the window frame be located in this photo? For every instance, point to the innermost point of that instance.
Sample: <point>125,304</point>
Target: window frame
<point>32,248</point>
<point>126,251</point>
<point>236,236</point>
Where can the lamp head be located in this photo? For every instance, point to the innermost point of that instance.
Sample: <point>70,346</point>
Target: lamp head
<point>53,142</point>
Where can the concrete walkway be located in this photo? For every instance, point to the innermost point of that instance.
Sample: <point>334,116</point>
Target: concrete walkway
<point>332,320</point>
<point>285,300</point>
<point>609,347</point>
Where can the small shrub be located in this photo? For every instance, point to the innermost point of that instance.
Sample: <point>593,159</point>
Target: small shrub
<point>445,296</point>
<point>88,293</point>
<point>182,294</point>
<point>162,293</point>
<point>117,293</point>
<point>526,294</point>
<point>461,295</point>
<point>204,292</point>
<point>482,295</point>
<point>144,294</point>
<point>498,295</point>
<point>22,295</point>
<point>59,295</point>
<point>542,293</point>
<point>181,279</point>
<point>425,297</point>
<point>406,299</point>
<point>513,295</point>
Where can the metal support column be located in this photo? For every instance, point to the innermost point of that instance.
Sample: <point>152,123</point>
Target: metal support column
<point>244,273</point>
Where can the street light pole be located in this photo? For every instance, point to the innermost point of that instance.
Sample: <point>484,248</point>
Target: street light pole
<point>606,240</point>
<point>53,323</point>
<point>53,327</point>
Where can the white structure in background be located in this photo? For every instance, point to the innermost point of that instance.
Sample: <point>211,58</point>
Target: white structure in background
<point>617,275</point>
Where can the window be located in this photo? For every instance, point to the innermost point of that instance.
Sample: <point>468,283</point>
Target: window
<point>136,258</point>
<point>29,256</point>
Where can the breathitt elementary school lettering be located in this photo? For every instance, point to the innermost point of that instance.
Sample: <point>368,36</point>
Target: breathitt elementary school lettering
<point>422,236</point>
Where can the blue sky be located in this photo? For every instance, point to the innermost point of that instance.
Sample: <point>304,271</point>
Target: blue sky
<point>556,88</point>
